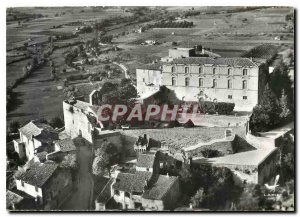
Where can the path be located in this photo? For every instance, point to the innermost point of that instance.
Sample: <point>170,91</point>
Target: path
<point>80,198</point>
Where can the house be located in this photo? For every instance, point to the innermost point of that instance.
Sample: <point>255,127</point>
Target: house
<point>35,137</point>
<point>46,182</point>
<point>143,189</point>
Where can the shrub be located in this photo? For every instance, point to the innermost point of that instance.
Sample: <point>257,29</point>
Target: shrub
<point>222,108</point>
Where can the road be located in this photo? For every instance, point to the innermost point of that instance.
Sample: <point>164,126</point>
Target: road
<point>80,198</point>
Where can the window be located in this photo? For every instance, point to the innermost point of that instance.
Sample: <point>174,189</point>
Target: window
<point>173,81</point>
<point>117,192</point>
<point>36,189</point>
<point>186,69</point>
<point>147,169</point>
<point>22,183</point>
<point>229,84</point>
<point>200,70</point>
<point>229,71</point>
<point>245,71</point>
<point>244,84</point>
<point>214,71</point>
<point>244,97</point>
<point>214,83</point>
<point>143,79</point>
<point>201,93</point>
<point>200,82</point>
<point>187,81</point>
<point>127,194</point>
<point>173,69</point>
<point>229,96</point>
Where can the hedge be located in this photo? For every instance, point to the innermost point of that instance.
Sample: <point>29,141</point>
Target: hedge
<point>222,108</point>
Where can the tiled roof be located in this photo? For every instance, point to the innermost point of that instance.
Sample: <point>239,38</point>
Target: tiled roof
<point>12,198</point>
<point>160,187</point>
<point>40,131</point>
<point>105,194</point>
<point>146,159</point>
<point>41,156</point>
<point>132,182</point>
<point>153,66</point>
<point>237,61</point>
<point>66,145</point>
<point>38,173</point>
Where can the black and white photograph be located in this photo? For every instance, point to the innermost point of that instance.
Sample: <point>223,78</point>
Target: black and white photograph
<point>150,108</point>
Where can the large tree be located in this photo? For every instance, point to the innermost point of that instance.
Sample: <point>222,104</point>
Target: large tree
<point>106,156</point>
<point>265,116</point>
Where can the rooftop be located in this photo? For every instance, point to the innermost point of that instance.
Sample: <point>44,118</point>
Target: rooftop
<point>152,66</point>
<point>66,145</point>
<point>35,128</point>
<point>146,159</point>
<point>41,156</point>
<point>160,187</point>
<point>132,182</point>
<point>249,158</point>
<point>179,137</point>
<point>12,198</point>
<point>237,61</point>
<point>38,173</point>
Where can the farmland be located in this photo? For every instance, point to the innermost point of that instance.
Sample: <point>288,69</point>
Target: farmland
<point>229,34</point>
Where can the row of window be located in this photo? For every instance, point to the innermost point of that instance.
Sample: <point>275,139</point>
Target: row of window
<point>229,70</point>
<point>230,97</point>
<point>214,84</point>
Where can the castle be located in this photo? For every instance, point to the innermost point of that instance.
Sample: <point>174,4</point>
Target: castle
<point>205,78</point>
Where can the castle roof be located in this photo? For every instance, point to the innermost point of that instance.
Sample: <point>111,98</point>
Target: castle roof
<point>235,61</point>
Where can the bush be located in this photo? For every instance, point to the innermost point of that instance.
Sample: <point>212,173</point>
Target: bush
<point>222,108</point>
<point>56,122</point>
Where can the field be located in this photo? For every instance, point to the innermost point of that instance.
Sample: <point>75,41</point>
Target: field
<point>228,34</point>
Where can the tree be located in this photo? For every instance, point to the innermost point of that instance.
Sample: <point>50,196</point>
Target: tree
<point>285,111</point>
<point>265,115</point>
<point>56,122</point>
<point>197,199</point>
<point>14,127</point>
<point>106,156</point>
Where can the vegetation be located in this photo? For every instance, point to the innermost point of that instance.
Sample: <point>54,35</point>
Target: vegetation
<point>265,116</point>
<point>222,108</point>
<point>171,24</point>
<point>106,156</point>
<point>214,186</point>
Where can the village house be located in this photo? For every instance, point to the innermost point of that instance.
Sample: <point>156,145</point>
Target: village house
<point>144,189</point>
<point>46,182</point>
<point>35,137</point>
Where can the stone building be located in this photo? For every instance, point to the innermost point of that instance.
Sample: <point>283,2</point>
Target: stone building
<point>35,137</point>
<point>236,80</point>
<point>143,189</point>
<point>80,119</point>
<point>46,182</point>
